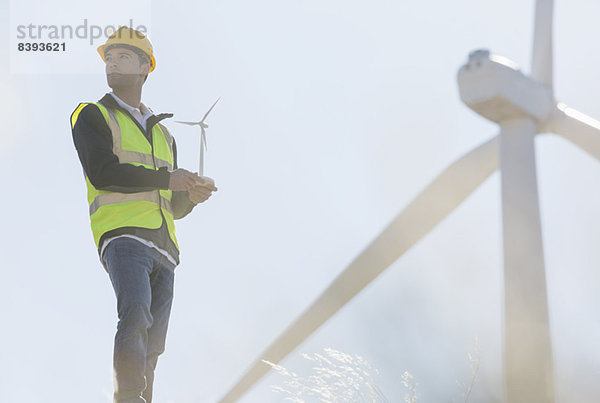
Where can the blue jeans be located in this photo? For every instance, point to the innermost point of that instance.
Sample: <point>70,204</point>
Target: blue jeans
<point>143,282</point>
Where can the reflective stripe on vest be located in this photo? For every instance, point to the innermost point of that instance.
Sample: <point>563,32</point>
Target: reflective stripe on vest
<point>113,198</point>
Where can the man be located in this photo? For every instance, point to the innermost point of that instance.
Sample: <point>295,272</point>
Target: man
<point>135,192</point>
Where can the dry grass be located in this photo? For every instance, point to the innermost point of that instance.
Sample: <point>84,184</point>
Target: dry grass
<point>475,362</point>
<point>340,377</point>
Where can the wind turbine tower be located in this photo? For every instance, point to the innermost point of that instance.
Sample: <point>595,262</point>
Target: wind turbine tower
<point>494,88</point>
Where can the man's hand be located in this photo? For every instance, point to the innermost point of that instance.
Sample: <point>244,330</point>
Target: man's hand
<point>202,191</point>
<point>182,179</point>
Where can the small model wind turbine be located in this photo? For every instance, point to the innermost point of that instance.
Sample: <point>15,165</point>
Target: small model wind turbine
<point>203,127</point>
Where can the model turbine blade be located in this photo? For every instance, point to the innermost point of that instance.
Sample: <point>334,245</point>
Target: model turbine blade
<point>203,139</point>
<point>211,108</point>
<point>578,128</point>
<point>541,63</point>
<point>426,211</point>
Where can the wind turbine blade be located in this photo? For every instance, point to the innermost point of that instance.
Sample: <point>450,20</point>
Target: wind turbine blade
<point>188,123</point>
<point>427,210</point>
<point>541,62</point>
<point>211,108</point>
<point>578,128</point>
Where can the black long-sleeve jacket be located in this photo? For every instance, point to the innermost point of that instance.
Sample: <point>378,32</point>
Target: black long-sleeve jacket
<point>93,141</point>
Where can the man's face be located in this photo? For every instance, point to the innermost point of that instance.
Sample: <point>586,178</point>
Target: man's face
<point>123,68</point>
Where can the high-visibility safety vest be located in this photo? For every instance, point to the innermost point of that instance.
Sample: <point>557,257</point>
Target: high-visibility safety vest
<point>112,210</point>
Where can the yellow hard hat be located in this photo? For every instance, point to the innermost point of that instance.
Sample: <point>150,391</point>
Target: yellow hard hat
<point>129,37</point>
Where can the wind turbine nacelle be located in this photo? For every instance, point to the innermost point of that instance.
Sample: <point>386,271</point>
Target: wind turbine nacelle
<point>495,88</point>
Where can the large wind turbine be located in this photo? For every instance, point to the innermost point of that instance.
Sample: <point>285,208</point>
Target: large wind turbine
<point>523,106</point>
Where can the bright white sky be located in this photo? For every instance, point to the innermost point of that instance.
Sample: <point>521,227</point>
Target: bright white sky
<point>334,115</point>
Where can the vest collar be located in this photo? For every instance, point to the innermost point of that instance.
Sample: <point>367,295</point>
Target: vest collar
<point>108,101</point>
